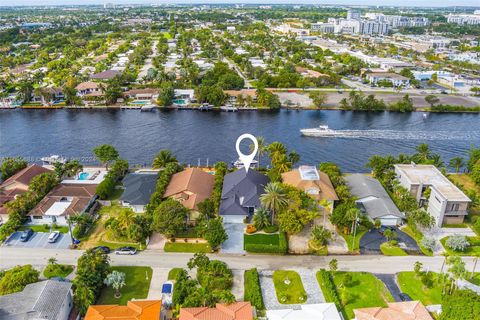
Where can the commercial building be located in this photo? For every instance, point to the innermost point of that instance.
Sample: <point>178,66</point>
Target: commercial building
<point>470,19</point>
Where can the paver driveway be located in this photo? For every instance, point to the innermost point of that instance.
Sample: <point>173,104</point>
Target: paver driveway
<point>234,243</point>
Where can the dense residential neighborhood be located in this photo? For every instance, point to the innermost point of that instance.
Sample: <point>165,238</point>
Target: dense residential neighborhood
<point>357,197</point>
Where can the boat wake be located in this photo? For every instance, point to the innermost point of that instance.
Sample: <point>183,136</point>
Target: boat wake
<point>404,135</point>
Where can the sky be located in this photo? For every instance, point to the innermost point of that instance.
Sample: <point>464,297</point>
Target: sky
<point>429,3</point>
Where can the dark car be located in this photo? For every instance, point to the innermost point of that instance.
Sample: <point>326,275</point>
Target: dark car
<point>104,249</point>
<point>126,250</point>
<point>26,234</point>
<point>384,228</point>
<point>405,297</point>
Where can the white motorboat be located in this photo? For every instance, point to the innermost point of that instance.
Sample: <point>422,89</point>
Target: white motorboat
<point>239,164</point>
<point>321,131</point>
<point>229,108</point>
<point>54,159</point>
<point>148,107</point>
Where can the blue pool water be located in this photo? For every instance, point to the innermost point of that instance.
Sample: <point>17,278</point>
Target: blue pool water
<point>179,101</point>
<point>83,176</point>
<point>167,288</point>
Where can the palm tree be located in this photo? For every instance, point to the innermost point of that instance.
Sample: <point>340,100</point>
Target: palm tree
<point>293,157</point>
<point>125,218</point>
<point>457,270</point>
<point>262,149</point>
<point>351,215</point>
<point>261,219</point>
<point>163,158</point>
<point>116,280</point>
<point>274,198</point>
<point>445,257</point>
<point>423,151</point>
<point>52,260</point>
<point>457,163</point>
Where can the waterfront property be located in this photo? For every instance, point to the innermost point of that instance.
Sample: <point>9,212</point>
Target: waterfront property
<point>395,79</point>
<point>373,200</point>
<point>138,189</point>
<point>48,300</point>
<point>395,310</point>
<point>16,184</point>
<point>88,88</point>
<point>134,310</point>
<point>190,187</point>
<point>89,175</point>
<point>240,194</point>
<point>63,201</point>
<point>446,202</point>
<point>234,311</point>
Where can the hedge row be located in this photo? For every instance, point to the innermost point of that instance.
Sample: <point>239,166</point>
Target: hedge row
<point>329,290</point>
<point>253,291</point>
<point>163,180</point>
<point>282,247</point>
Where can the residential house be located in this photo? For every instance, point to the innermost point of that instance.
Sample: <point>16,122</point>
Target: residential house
<point>373,200</point>
<point>234,311</point>
<point>142,94</point>
<point>395,79</point>
<point>409,310</point>
<point>106,75</point>
<point>56,94</point>
<point>134,310</point>
<point>187,94</point>
<point>46,300</point>
<point>138,189</point>
<point>319,311</point>
<point>89,88</point>
<point>190,187</point>
<point>63,201</point>
<point>446,202</point>
<point>315,183</point>
<point>240,194</point>
<point>16,184</point>
<point>244,93</point>
<point>308,73</point>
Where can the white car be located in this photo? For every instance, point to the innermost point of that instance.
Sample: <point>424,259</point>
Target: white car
<point>52,238</point>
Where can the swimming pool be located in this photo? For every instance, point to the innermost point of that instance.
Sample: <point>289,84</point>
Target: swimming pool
<point>179,101</point>
<point>83,176</point>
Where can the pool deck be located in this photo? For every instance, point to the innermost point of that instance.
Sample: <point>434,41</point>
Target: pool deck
<point>91,171</point>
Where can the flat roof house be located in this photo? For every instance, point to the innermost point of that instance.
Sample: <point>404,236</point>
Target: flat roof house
<point>446,203</point>
<point>396,79</point>
<point>234,311</point>
<point>319,311</point>
<point>373,200</point>
<point>16,184</point>
<point>190,187</point>
<point>134,310</point>
<point>240,194</point>
<point>409,310</point>
<point>138,189</point>
<point>315,183</point>
<point>63,201</point>
<point>47,300</point>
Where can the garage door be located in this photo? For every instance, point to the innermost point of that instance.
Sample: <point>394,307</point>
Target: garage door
<point>388,222</point>
<point>233,219</point>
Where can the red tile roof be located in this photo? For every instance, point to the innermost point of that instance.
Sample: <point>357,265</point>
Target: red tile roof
<point>411,310</point>
<point>234,311</point>
<point>25,175</point>
<point>134,310</point>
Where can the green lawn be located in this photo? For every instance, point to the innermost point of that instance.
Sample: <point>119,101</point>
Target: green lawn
<point>391,250</point>
<point>45,228</point>
<point>290,293</point>
<point>411,285</point>
<point>364,291</point>
<point>473,249</point>
<point>137,280</point>
<point>173,273</point>
<point>260,238</point>
<point>187,247</point>
<point>417,236</point>
<point>57,270</point>
<point>476,278</point>
<point>356,243</point>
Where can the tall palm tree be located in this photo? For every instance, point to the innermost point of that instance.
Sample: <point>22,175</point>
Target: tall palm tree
<point>456,163</point>
<point>274,198</point>
<point>423,151</point>
<point>163,158</point>
<point>262,149</point>
<point>293,157</point>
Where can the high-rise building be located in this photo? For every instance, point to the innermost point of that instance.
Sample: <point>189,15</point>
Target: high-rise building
<point>353,15</point>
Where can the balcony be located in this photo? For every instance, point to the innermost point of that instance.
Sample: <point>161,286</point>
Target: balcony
<point>456,213</point>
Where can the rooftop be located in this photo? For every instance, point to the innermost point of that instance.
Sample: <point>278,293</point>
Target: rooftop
<point>234,311</point>
<point>411,310</point>
<point>139,187</point>
<point>429,175</point>
<point>25,175</point>
<point>134,310</point>
<point>307,178</point>
<point>320,311</point>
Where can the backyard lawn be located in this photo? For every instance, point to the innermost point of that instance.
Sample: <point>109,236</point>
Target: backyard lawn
<point>473,249</point>
<point>187,247</point>
<point>391,250</point>
<point>289,287</point>
<point>137,284</point>
<point>411,285</point>
<point>364,291</point>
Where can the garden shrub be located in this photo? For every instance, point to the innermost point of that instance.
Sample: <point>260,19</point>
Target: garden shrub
<point>253,292</point>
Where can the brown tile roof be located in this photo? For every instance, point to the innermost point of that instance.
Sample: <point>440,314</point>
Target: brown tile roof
<point>81,195</point>
<point>25,175</point>
<point>106,75</point>
<point>327,191</point>
<point>134,310</point>
<point>411,310</point>
<point>191,186</point>
<point>244,92</point>
<point>234,311</point>
<point>87,85</point>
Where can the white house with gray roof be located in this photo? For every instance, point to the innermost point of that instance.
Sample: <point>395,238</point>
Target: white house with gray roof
<point>46,300</point>
<point>446,203</point>
<point>373,200</point>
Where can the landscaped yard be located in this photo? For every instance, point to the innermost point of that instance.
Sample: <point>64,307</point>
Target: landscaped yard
<point>417,236</point>
<point>173,273</point>
<point>57,270</point>
<point>45,228</point>
<point>289,287</point>
<point>413,286</point>
<point>137,284</point>
<point>473,249</point>
<point>364,290</point>
<point>252,289</point>
<point>187,247</point>
<point>354,244</point>
<point>265,243</point>
<point>392,250</point>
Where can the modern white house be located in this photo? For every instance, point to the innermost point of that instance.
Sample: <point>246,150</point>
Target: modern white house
<point>446,202</point>
<point>319,311</point>
<point>396,79</point>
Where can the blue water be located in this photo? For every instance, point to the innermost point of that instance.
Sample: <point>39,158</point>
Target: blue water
<point>193,135</point>
<point>83,176</point>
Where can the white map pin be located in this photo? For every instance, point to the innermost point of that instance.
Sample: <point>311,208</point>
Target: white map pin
<point>246,159</point>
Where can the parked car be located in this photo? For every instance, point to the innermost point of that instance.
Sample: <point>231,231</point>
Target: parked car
<point>384,228</point>
<point>405,297</point>
<point>105,249</point>
<point>53,237</point>
<point>26,234</point>
<point>126,250</point>
<point>167,292</point>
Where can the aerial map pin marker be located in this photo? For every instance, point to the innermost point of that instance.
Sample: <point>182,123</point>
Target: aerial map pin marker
<point>246,159</point>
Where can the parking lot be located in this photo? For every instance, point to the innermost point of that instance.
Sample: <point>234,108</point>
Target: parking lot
<point>38,240</point>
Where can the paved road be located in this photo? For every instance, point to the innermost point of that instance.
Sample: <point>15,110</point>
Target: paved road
<point>10,257</point>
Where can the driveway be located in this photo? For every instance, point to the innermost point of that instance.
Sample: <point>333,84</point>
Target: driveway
<point>390,281</point>
<point>39,240</point>
<point>371,241</point>
<point>234,243</point>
